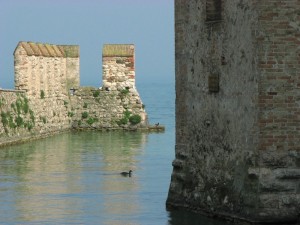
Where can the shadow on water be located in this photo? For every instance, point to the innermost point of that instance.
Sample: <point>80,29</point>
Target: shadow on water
<point>181,217</point>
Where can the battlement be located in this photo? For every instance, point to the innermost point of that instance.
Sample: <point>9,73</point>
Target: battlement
<point>47,67</point>
<point>48,98</point>
<point>118,66</point>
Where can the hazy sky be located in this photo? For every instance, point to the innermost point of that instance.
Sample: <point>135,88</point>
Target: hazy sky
<point>149,24</point>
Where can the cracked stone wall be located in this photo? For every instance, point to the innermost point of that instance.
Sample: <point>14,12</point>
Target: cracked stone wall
<point>237,109</point>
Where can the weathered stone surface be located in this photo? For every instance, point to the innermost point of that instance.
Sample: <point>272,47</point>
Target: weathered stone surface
<point>237,109</point>
<point>118,66</point>
<point>105,109</point>
<point>48,98</point>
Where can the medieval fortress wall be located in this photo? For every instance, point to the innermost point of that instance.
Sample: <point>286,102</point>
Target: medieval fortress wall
<point>237,109</point>
<point>48,97</point>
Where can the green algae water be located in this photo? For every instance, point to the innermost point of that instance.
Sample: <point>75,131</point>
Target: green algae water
<point>74,178</point>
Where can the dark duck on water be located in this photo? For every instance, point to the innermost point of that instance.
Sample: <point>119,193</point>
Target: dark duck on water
<point>125,174</point>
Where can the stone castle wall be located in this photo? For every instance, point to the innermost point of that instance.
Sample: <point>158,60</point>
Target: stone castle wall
<point>92,108</point>
<point>48,98</point>
<point>278,39</point>
<point>237,111</point>
<point>118,66</point>
<point>16,115</point>
<point>52,69</point>
<point>47,72</point>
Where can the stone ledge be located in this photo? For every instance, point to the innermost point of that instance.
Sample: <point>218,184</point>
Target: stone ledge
<point>129,128</point>
<point>20,140</point>
<point>12,90</point>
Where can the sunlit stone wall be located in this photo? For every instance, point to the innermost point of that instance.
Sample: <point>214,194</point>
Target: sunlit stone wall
<point>48,98</point>
<point>118,66</point>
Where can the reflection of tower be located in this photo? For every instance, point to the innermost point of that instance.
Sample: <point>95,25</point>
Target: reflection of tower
<point>120,151</point>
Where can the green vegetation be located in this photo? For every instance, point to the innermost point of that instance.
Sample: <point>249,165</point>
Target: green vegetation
<point>13,106</point>
<point>135,119</point>
<point>29,125</point>
<point>11,122</point>
<point>4,119</point>
<point>16,117</point>
<point>91,120</point>
<point>66,103</point>
<point>85,105</point>
<point>84,115</point>
<point>70,114</point>
<point>96,93</point>
<point>19,121</point>
<point>127,117</point>
<point>125,91</point>
<point>43,118</point>
<point>25,106</point>
<point>1,102</point>
<point>21,105</point>
<point>42,94</point>
<point>31,116</point>
<point>127,114</point>
<point>122,121</point>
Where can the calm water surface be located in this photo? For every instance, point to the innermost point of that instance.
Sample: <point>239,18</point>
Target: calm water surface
<point>74,178</point>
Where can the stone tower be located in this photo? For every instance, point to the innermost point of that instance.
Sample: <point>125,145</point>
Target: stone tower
<point>118,66</point>
<point>237,109</point>
<point>51,68</point>
<point>118,63</point>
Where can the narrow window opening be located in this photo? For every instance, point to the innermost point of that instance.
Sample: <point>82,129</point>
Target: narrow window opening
<point>213,83</point>
<point>213,10</point>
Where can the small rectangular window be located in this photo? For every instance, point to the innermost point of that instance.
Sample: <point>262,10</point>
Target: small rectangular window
<point>213,83</point>
<point>213,10</point>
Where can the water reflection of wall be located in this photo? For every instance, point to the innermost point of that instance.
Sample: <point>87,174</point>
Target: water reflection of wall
<point>121,153</point>
<point>49,179</point>
<point>71,176</point>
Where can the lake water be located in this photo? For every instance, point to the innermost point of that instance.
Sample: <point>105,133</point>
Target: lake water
<point>74,178</point>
